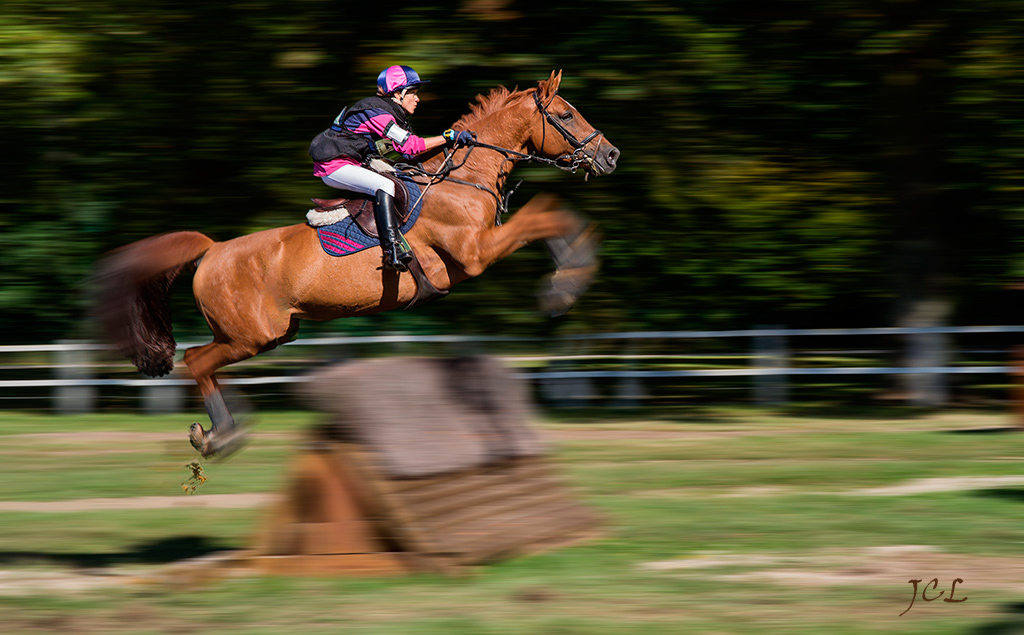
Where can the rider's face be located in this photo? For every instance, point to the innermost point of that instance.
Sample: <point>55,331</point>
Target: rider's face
<point>409,101</point>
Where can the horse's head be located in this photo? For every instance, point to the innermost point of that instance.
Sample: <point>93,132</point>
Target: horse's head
<point>561,132</point>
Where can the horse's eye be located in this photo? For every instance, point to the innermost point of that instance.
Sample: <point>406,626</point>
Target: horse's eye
<point>566,116</point>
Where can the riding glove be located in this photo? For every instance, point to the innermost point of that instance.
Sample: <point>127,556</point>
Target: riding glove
<point>458,137</point>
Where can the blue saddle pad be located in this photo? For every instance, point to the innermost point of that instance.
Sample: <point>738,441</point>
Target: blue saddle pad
<point>345,237</point>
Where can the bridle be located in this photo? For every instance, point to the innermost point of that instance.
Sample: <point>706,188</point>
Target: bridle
<point>570,162</point>
<point>579,155</point>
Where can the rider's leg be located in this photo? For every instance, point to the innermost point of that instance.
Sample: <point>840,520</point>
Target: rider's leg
<point>397,252</point>
<point>353,177</point>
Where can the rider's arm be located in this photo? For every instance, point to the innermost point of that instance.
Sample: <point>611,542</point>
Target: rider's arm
<point>407,143</point>
<point>413,145</point>
<point>433,143</point>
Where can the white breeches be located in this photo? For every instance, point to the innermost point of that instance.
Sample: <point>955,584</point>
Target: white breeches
<point>359,179</point>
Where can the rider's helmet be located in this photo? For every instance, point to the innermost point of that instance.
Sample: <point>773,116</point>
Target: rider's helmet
<point>395,78</point>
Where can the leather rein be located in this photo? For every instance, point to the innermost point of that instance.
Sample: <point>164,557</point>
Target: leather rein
<point>570,162</point>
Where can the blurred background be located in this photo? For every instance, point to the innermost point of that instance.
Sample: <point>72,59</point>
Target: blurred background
<point>830,163</point>
<point>851,168</point>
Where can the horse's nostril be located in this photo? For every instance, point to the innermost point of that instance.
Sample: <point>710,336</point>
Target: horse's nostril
<point>613,156</point>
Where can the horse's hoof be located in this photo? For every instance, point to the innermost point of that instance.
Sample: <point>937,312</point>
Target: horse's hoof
<point>225,445</point>
<point>209,444</point>
<point>197,437</point>
<point>562,289</point>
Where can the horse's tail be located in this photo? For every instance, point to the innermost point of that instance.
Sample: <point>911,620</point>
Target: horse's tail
<point>133,287</point>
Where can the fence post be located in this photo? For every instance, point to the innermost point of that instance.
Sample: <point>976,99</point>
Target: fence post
<point>165,397</point>
<point>568,392</point>
<point>629,390</point>
<point>926,350</point>
<point>1017,387</point>
<point>770,353</point>
<point>73,362</point>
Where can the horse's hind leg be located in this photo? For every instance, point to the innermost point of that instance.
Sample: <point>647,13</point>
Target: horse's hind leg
<point>224,436</point>
<point>246,320</point>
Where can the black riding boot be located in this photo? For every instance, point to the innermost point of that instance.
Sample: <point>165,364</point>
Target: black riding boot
<point>397,252</point>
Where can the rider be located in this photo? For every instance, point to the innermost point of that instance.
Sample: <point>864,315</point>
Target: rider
<point>371,128</point>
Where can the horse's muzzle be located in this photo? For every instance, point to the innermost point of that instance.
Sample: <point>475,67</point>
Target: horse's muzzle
<point>605,159</point>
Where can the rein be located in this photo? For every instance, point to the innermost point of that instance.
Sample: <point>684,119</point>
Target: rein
<point>569,162</point>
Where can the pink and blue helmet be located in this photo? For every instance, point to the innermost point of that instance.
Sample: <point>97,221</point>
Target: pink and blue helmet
<point>395,78</point>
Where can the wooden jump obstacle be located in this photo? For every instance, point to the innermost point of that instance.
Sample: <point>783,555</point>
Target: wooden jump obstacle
<point>423,465</point>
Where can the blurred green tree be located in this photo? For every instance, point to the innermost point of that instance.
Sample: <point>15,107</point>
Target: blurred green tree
<point>804,163</point>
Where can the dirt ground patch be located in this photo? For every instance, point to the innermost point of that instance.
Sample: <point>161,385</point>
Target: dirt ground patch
<point>590,434</point>
<point>219,501</point>
<point>561,434</point>
<point>890,567</point>
<point>249,500</point>
<point>906,488</point>
<point>947,484</point>
<point>110,437</point>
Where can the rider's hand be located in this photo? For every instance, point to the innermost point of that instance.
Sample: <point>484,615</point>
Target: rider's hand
<point>458,137</point>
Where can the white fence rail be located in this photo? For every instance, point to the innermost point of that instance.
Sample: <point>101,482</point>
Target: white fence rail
<point>558,368</point>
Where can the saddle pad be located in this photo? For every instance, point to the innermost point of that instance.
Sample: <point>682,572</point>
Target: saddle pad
<point>345,237</point>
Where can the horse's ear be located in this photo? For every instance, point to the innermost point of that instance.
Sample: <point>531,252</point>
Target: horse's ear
<point>549,87</point>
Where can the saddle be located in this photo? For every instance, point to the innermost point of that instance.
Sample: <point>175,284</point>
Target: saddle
<point>360,207</point>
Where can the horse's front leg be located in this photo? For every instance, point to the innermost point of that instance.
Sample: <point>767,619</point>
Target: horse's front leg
<point>576,265</point>
<point>570,239</point>
<point>541,218</point>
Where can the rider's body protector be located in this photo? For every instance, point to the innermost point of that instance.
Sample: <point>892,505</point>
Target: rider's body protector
<point>369,128</point>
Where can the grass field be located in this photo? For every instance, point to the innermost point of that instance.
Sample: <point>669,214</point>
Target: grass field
<point>717,521</point>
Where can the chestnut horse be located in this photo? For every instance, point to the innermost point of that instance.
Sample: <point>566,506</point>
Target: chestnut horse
<point>254,289</point>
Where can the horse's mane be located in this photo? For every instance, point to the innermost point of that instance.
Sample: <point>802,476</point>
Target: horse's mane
<point>487,105</point>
